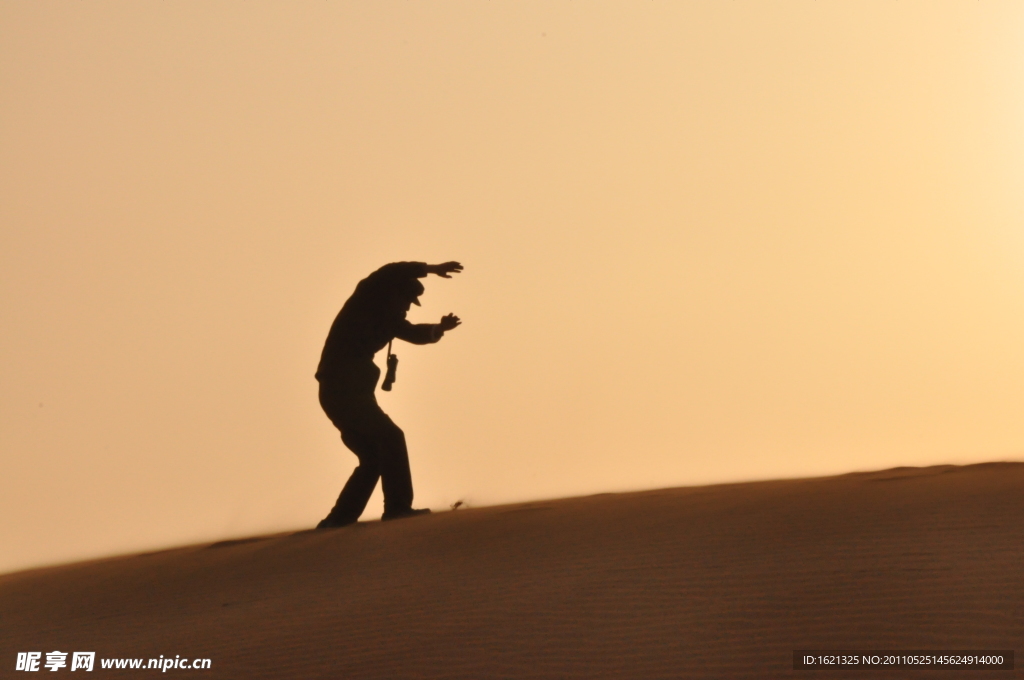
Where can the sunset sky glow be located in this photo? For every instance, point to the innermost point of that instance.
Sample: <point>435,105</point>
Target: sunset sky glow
<point>703,242</point>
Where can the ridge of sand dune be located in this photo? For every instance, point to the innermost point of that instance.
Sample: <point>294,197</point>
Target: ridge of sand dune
<point>696,582</point>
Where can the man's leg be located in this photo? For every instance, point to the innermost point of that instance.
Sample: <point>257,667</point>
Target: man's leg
<point>393,458</point>
<point>347,414</point>
<point>357,491</point>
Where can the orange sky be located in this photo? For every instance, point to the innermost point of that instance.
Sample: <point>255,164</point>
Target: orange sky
<point>703,242</point>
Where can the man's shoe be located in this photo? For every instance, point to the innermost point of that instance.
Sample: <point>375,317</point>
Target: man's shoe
<point>331,523</point>
<point>404,513</point>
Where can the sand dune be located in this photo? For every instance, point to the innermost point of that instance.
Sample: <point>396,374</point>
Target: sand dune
<point>720,581</point>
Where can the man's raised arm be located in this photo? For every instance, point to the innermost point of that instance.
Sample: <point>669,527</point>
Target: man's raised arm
<point>444,270</point>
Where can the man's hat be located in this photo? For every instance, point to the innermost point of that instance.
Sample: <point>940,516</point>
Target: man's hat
<point>411,289</point>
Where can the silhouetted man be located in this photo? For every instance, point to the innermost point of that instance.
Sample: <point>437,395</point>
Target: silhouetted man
<point>370,319</point>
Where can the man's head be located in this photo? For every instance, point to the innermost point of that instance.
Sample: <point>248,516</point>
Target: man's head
<point>408,291</point>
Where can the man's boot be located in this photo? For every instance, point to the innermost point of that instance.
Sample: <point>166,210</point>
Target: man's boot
<point>399,514</point>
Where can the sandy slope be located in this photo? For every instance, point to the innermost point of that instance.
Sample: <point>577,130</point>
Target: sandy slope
<point>706,582</point>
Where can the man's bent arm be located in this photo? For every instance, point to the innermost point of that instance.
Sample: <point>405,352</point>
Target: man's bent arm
<point>419,333</point>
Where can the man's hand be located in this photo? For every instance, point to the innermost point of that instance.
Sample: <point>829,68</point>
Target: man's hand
<point>444,270</point>
<point>449,322</point>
